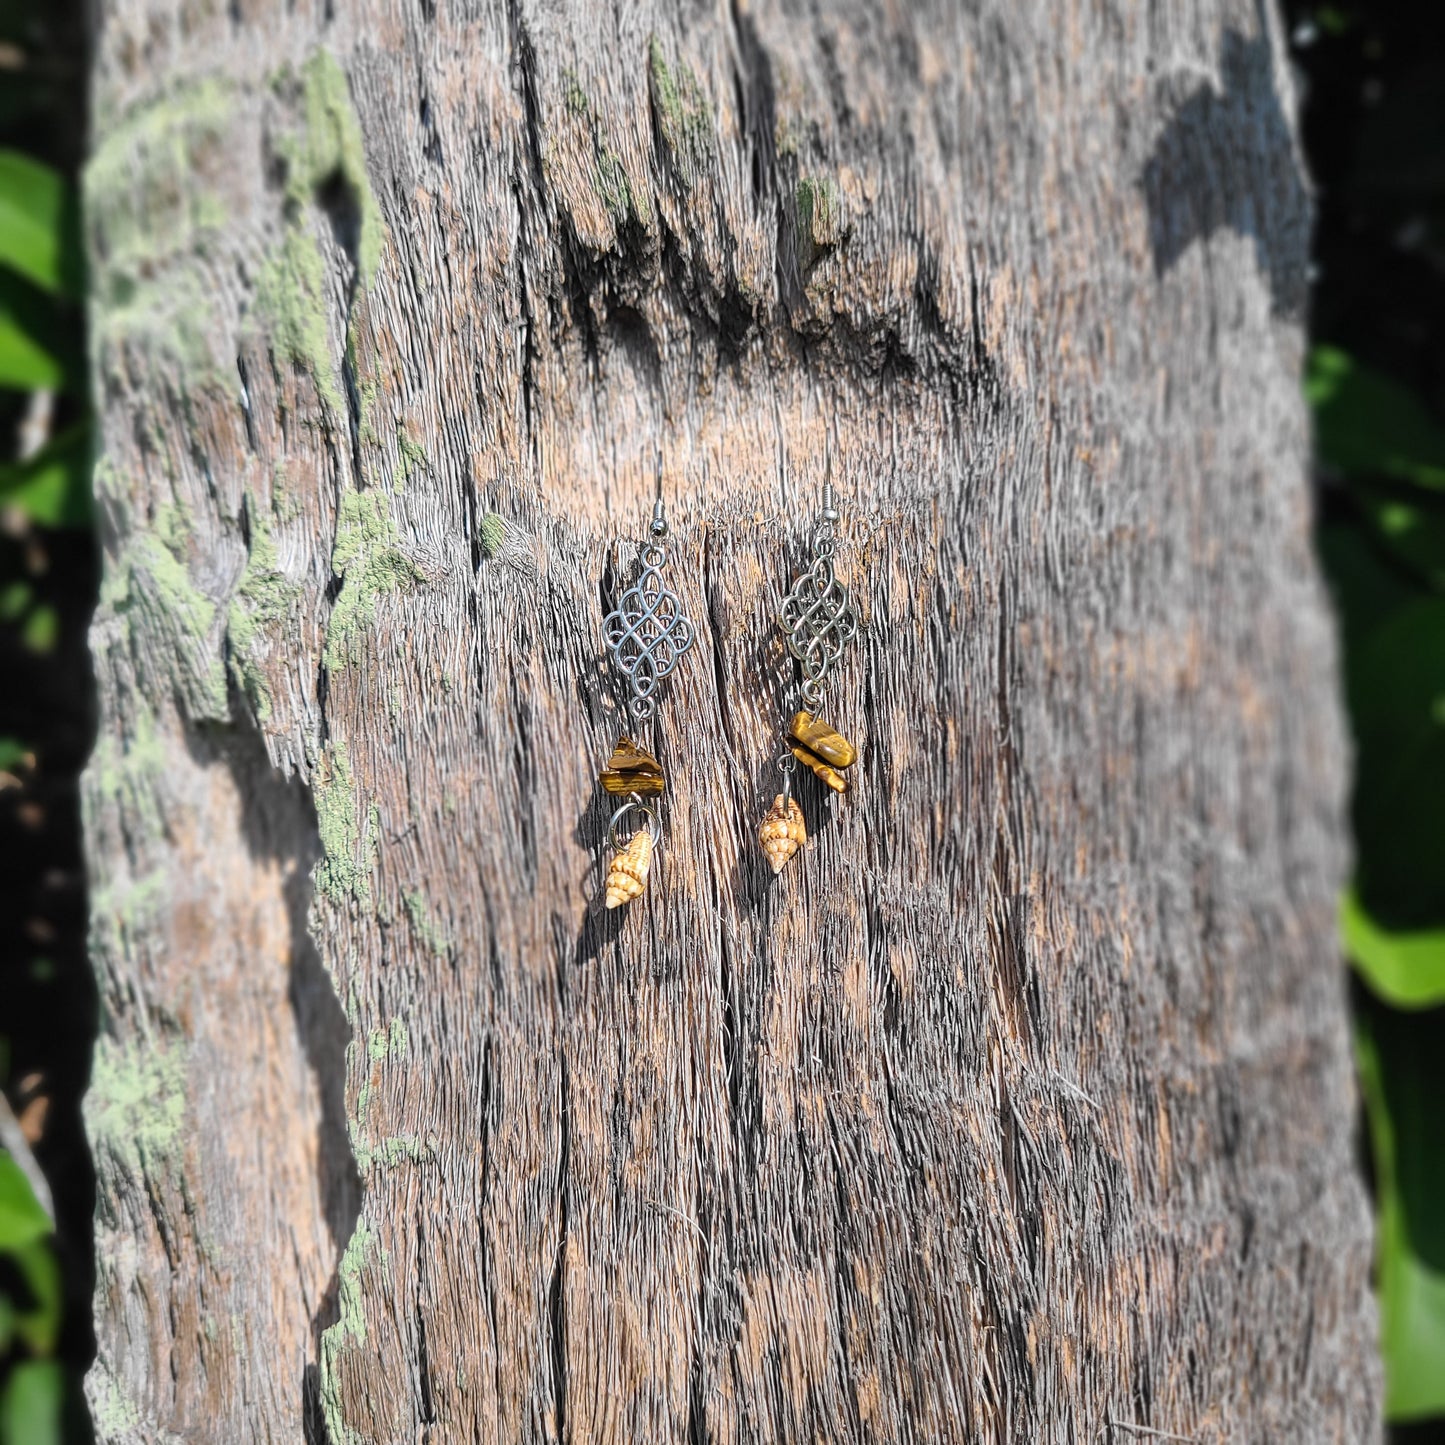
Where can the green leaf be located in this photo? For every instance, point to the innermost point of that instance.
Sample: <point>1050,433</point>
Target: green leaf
<point>1367,589</point>
<point>33,1403</point>
<point>38,230</point>
<point>1409,524</point>
<point>26,364</point>
<point>53,487</point>
<point>37,1325</point>
<point>1368,425</point>
<point>22,1220</point>
<point>1402,1076</point>
<point>42,629</point>
<point>1395,686</point>
<point>1404,968</point>
<point>15,598</point>
<point>38,345</point>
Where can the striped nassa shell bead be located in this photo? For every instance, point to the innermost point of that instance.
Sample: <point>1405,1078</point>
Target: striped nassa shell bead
<point>627,873</point>
<point>782,832</point>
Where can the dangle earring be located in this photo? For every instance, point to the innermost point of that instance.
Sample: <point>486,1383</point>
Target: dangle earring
<point>647,634</point>
<point>819,621</point>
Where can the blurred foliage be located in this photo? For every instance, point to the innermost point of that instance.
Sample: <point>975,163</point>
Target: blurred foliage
<point>31,1400</point>
<point>1374,133</point>
<point>46,585</point>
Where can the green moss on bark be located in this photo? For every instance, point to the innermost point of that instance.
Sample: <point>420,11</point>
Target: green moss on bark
<point>369,559</point>
<point>262,602</point>
<point>349,1330</point>
<point>684,116</point>
<point>348,839</point>
<point>137,1104</point>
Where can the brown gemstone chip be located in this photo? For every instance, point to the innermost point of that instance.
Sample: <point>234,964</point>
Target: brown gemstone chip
<point>631,769</point>
<point>831,776</point>
<point>818,737</point>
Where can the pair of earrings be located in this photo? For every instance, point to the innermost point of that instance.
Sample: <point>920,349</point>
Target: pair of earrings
<point>648,634</point>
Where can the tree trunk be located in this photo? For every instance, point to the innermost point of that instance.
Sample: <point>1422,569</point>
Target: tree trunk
<point>1018,1107</point>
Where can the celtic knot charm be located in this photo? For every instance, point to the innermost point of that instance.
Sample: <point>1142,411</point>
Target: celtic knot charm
<point>819,619</point>
<point>648,633</point>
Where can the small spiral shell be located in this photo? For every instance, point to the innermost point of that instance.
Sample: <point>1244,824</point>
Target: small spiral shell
<point>627,873</point>
<point>782,832</point>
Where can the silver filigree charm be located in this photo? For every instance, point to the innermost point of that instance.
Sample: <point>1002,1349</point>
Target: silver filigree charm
<point>817,615</point>
<point>648,633</point>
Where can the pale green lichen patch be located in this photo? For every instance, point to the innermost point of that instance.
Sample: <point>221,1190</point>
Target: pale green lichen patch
<point>151,184</point>
<point>610,180</point>
<point>154,212</point>
<point>491,535</point>
<point>112,1411</point>
<point>262,602</point>
<point>137,1103</point>
<point>348,844</point>
<point>322,148</point>
<point>367,393</point>
<point>358,1122</point>
<point>819,218</point>
<point>391,1151</point>
<point>370,561</point>
<point>171,320</point>
<point>127,905</point>
<point>391,1042</point>
<point>349,1329</point>
<point>328,147</point>
<point>424,924</point>
<point>574,97</point>
<point>411,457</point>
<point>291,294</point>
<point>171,623</point>
<point>127,772</point>
<point>684,116</point>
<point>613,187</point>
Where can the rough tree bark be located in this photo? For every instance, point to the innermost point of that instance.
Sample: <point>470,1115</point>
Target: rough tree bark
<point>1018,1108</point>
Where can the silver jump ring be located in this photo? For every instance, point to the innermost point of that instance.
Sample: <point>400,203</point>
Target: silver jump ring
<point>649,821</point>
<point>787,764</point>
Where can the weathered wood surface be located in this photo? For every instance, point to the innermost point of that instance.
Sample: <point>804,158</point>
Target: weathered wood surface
<point>1018,1107</point>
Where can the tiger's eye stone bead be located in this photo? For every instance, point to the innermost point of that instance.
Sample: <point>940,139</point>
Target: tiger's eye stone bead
<point>821,770</point>
<point>817,736</point>
<point>631,769</point>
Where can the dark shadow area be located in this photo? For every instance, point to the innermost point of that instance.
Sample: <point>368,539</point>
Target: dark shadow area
<point>1226,160</point>
<point>47,990</point>
<point>279,824</point>
<point>48,581</point>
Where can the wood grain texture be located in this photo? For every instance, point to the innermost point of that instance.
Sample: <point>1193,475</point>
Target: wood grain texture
<point>1017,1108</point>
